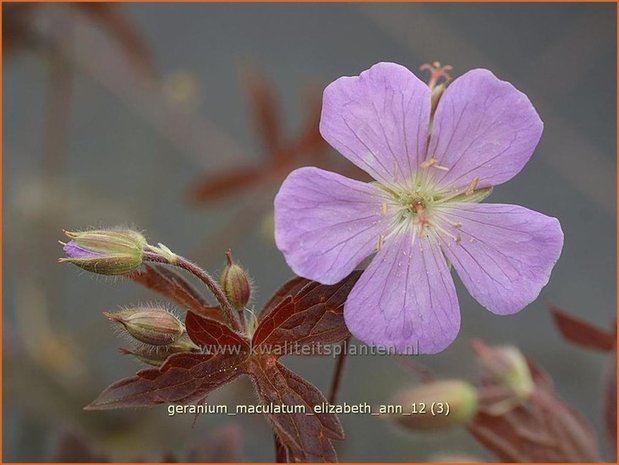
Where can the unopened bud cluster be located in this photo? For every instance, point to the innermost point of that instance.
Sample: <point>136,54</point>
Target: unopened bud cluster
<point>156,332</point>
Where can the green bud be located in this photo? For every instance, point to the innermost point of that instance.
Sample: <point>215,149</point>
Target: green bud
<point>154,326</point>
<point>507,367</point>
<point>436,405</point>
<point>108,252</point>
<point>235,284</point>
<point>155,356</point>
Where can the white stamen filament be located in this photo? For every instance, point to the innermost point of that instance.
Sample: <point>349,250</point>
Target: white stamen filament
<point>433,162</point>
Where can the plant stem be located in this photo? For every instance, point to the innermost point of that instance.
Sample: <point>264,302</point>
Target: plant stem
<point>230,314</point>
<point>280,450</point>
<point>337,374</point>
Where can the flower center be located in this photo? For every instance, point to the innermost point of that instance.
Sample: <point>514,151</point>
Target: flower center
<point>418,207</point>
<point>419,212</point>
<point>415,207</point>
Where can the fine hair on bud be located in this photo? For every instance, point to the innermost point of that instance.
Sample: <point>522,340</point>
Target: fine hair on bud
<point>157,355</point>
<point>151,325</point>
<point>112,251</point>
<point>235,283</point>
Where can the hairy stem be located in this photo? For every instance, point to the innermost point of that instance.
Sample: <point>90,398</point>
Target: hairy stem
<point>230,314</point>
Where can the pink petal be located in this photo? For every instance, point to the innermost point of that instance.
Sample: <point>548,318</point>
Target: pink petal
<point>405,300</point>
<point>378,120</point>
<point>325,224</point>
<point>504,254</point>
<point>483,127</point>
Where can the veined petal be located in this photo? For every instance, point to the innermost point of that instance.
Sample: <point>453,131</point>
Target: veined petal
<point>406,299</point>
<point>378,120</point>
<point>326,224</point>
<point>503,253</point>
<point>483,127</point>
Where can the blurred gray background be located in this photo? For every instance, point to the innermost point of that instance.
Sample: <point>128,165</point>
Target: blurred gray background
<point>92,139</point>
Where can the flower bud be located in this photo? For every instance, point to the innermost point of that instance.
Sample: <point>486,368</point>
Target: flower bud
<point>155,356</point>
<point>109,252</point>
<point>154,326</point>
<point>436,405</point>
<point>507,367</point>
<point>235,284</point>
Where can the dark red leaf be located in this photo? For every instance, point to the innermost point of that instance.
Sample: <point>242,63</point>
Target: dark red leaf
<point>301,312</point>
<point>304,312</point>
<point>288,289</point>
<point>183,378</point>
<point>306,436</point>
<point>282,453</point>
<point>211,334</point>
<point>582,333</point>
<point>173,286</point>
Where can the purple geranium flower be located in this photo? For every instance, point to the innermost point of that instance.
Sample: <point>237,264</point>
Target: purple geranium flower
<point>422,213</point>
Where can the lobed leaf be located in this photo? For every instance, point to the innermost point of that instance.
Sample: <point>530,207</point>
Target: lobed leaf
<point>212,334</point>
<point>183,378</point>
<point>301,312</point>
<point>306,437</point>
<point>304,312</point>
